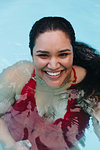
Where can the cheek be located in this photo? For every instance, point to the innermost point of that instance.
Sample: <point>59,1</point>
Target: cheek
<point>36,63</point>
<point>68,62</point>
<point>39,63</point>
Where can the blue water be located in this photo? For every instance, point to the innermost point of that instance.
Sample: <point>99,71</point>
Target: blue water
<point>18,16</point>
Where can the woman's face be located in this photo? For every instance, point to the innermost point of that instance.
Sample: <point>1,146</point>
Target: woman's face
<point>53,57</point>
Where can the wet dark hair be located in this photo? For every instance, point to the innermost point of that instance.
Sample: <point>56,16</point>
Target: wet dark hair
<point>50,24</point>
<point>88,58</point>
<point>84,55</point>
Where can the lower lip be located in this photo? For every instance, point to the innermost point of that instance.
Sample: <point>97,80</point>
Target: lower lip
<point>54,77</point>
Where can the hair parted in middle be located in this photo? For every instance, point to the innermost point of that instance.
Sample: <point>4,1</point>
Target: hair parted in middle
<point>50,24</point>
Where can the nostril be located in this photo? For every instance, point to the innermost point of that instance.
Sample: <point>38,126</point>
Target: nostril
<point>53,63</point>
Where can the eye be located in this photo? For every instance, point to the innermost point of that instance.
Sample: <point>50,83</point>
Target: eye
<point>43,56</point>
<point>63,55</point>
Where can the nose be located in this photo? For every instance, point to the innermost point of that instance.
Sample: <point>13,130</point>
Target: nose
<point>54,63</point>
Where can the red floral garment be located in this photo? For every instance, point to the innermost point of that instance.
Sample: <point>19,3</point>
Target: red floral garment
<point>24,122</point>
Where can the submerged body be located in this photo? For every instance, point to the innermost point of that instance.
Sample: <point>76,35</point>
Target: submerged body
<point>58,117</point>
<point>54,129</point>
<point>28,120</point>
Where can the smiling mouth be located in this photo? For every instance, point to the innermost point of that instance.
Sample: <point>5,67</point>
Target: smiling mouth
<point>54,74</point>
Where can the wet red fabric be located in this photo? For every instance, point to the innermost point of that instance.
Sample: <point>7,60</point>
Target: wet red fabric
<point>24,122</point>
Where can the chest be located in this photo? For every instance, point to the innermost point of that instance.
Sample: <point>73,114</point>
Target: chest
<point>51,105</point>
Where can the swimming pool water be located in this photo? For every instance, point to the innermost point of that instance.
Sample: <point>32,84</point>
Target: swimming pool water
<point>17,18</point>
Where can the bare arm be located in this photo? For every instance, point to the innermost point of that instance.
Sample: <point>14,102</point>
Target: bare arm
<point>12,81</point>
<point>5,136</point>
<point>95,113</point>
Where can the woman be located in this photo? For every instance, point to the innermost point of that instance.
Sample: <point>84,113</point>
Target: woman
<point>49,101</point>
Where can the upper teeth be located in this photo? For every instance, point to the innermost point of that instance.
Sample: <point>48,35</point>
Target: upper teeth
<point>53,73</point>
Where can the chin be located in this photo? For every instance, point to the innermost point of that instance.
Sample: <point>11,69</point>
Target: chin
<point>54,85</point>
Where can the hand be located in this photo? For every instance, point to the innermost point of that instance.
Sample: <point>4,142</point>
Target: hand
<point>21,145</point>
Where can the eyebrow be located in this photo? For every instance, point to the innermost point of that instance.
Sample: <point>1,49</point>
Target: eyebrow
<point>41,51</point>
<point>46,52</point>
<point>65,50</point>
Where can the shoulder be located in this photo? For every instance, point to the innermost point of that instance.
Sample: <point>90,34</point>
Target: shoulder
<point>12,80</point>
<point>24,68</point>
<point>17,75</point>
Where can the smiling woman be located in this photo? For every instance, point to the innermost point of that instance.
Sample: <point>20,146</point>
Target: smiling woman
<point>49,101</point>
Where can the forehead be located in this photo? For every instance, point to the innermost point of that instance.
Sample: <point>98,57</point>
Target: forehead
<point>52,42</point>
<point>53,38</point>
